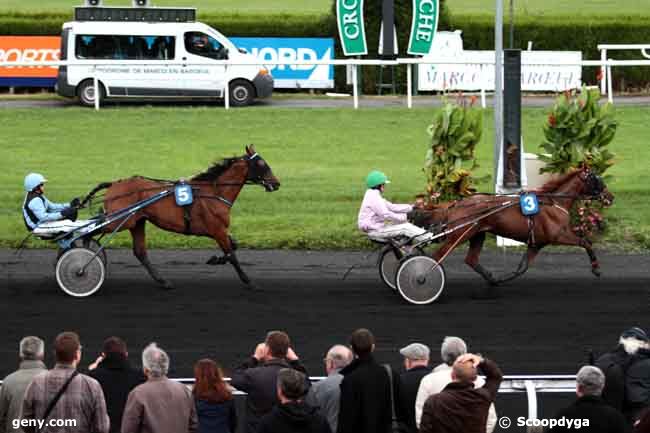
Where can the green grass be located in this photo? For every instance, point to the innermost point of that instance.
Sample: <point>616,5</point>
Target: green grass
<point>202,6</point>
<point>525,7</point>
<point>552,7</point>
<point>321,157</point>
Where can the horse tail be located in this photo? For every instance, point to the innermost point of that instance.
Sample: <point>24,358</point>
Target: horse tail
<point>94,191</point>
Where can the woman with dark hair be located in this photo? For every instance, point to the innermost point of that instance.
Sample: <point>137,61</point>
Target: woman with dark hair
<point>215,405</point>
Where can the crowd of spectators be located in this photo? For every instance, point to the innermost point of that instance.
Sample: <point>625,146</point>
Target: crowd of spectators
<point>359,394</point>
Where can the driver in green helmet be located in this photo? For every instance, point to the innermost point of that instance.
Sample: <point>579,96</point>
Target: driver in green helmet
<point>383,220</point>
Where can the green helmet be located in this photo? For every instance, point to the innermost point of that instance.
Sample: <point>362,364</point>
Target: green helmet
<point>376,178</point>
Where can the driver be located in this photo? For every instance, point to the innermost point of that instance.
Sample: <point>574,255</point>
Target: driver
<point>376,212</point>
<point>41,215</point>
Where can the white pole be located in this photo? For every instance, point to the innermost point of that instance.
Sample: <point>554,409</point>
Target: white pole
<point>226,90</point>
<point>603,72</point>
<point>355,86</point>
<point>483,98</point>
<point>409,79</point>
<point>498,88</point>
<point>96,88</point>
<point>610,93</point>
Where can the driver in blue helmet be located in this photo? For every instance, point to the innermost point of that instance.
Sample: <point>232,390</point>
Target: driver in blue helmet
<point>41,215</point>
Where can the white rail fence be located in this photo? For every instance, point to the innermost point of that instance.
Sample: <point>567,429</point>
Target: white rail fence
<point>605,65</point>
<point>606,81</point>
<point>519,384</point>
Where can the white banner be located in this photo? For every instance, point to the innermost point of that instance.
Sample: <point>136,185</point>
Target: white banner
<point>538,77</point>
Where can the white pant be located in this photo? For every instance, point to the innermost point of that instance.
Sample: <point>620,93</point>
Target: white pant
<point>405,229</point>
<point>52,228</point>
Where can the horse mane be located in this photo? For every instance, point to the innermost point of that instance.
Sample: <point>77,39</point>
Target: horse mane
<point>215,170</point>
<point>557,182</point>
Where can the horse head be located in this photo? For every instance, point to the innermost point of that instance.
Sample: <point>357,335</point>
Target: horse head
<point>594,186</point>
<point>259,172</point>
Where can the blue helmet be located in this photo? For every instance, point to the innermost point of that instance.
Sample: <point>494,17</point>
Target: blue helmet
<point>32,180</point>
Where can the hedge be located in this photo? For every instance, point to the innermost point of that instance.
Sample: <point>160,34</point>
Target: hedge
<point>580,33</point>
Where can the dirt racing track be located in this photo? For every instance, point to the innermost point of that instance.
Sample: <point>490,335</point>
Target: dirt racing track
<point>542,323</point>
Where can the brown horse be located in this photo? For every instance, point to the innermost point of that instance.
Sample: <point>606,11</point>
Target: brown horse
<point>214,193</point>
<point>473,217</point>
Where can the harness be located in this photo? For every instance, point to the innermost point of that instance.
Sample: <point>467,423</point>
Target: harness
<point>30,214</point>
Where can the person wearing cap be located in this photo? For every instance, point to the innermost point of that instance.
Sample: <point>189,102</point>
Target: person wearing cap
<point>627,373</point>
<point>416,364</point>
<point>383,220</point>
<point>42,216</point>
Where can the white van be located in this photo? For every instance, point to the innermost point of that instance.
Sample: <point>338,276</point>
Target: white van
<point>198,46</point>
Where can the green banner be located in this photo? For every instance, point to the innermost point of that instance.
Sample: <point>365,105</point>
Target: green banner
<point>423,26</point>
<point>349,17</point>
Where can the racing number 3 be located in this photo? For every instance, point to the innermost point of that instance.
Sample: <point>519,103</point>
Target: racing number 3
<point>529,204</point>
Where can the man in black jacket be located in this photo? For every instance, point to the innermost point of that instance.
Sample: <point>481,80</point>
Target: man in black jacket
<point>293,415</point>
<point>365,390</point>
<point>116,377</point>
<point>590,408</point>
<point>416,364</point>
<point>258,376</point>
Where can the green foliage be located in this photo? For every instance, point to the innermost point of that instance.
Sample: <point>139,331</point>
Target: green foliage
<point>230,24</point>
<point>455,132</point>
<point>577,132</point>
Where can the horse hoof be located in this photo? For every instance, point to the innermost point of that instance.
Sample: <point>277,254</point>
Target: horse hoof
<point>166,285</point>
<point>596,272</point>
<point>215,260</point>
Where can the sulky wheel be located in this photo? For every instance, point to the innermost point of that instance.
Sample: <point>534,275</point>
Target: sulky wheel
<point>389,259</point>
<point>420,279</point>
<point>92,245</point>
<point>388,264</point>
<point>73,278</point>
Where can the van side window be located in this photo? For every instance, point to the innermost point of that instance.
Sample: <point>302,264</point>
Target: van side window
<point>124,47</point>
<point>204,45</point>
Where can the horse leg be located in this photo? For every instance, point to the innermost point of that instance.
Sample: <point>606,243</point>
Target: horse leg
<point>526,260</point>
<point>140,251</point>
<point>570,238</point>
<point>229,256</point>
<point>472,258</point>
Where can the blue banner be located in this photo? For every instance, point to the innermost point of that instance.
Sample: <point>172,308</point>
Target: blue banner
<point>293,49</point>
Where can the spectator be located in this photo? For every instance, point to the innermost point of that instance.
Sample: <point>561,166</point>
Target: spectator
<point>81,397</point>
<point>326,394</point>
<point>292,415</point>
<point>258,376</point>
<point>616,363</point>
<point>451,349</point>
<point>117,378</point>
<point>159,405</point>
<point>416,363</point>
<point>603,418</point>
<point>461,407</point>
<point>215,405</point>
<point>365,390</point>
<point>12,391</point>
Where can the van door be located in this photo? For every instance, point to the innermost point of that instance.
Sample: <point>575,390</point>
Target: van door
<point>201,74</point>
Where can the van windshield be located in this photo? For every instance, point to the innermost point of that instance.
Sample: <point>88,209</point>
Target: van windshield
<point>124,47</point>
<point>202,44</point>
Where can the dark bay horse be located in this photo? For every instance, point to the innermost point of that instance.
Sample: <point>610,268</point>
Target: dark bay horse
<point>214,192</point>
<point>479,214</point>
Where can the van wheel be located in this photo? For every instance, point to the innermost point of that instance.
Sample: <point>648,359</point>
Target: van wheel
<point>86,93</point>
<point>241,93</point>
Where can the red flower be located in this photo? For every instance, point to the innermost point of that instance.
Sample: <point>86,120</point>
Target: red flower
<point>552,120</point>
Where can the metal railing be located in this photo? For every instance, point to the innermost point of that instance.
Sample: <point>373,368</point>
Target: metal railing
<point>604,64</point>
<point>517,384</point>
<point>606,80</point>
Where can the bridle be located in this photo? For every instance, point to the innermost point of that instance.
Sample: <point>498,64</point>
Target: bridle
<point>256,173</point>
